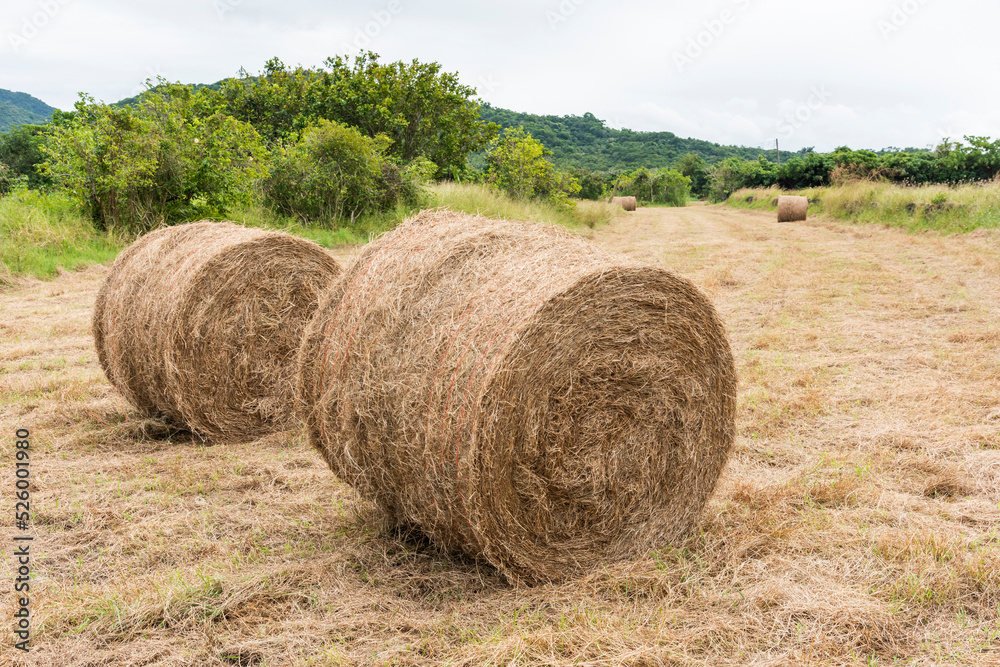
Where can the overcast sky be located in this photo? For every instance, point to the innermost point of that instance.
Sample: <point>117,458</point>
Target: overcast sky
<point>866,73</point>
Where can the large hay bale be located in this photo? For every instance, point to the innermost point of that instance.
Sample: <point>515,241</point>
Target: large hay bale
<point>792,209</point>
<point>627,203</point>
<point>200,324</point>
<point>518,394</point>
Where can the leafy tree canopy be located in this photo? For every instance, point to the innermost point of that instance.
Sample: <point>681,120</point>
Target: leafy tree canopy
<point>420,109</point>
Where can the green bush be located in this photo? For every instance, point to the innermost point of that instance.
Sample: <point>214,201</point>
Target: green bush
<point>335,172</point>
<point>171,158</point>
<point>6,179</point>
<point>420,171</point>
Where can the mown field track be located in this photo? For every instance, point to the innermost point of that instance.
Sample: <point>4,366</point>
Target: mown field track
<point>858,520</point>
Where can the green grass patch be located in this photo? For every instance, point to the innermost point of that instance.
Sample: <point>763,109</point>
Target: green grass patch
<point>481,200</point>
<point>942,208</point>
<point>43,233</point>
<point>329,236</point>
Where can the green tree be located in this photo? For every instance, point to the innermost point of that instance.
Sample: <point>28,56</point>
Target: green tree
<point>517,164</point>
<point>21,152</point>
<point>593,185</point>
<point>279,103</point>
<point>671,187</point>
<point>694,167</point>
<point>420,109</point>
<point>727,177</point>
<point>174,157</point>
<point>982,158</point>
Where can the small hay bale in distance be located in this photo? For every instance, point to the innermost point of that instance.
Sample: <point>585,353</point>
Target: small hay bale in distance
<point>200,324</point>
<point>627,203</point>
<point>518,394</point>
<point>792,209</point>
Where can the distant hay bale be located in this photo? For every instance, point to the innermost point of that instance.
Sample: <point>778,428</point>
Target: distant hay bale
<point>200,324</point>
<point>792,209</point>
<point>627,203</point>
<point>518,394</point>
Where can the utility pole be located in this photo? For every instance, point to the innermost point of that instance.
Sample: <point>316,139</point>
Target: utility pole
<point>778,151</point>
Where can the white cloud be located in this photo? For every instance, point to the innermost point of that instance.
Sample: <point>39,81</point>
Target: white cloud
<point>615,60</point>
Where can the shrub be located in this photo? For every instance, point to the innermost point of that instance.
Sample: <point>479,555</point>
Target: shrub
<point>6,180</point>
<point>333,172</point>
<point>420,171</point>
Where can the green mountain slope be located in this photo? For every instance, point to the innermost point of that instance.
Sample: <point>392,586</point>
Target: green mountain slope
<point>585,141</point>
<point>21,109</point>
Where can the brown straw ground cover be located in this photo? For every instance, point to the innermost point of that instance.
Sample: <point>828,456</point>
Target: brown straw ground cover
<point>856,523</point>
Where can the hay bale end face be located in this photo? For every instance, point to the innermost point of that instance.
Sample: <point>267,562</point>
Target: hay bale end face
<point>200,324</point>
<point>518,394</point>
<point>792,209</point>
<point>627,203</point>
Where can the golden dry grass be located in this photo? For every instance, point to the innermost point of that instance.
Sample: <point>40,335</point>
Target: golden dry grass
<point>857,522</point>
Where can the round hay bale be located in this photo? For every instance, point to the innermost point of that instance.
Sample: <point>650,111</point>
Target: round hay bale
<point>200,324</point>
<point>627,203</point>
<point>792,209</point>
<point>518,394</point>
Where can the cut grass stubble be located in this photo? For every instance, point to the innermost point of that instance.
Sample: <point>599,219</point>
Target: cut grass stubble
<point>856,522</point>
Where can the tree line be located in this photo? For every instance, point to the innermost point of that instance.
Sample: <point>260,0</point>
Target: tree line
<point>326,145</point>
<point>357,136</point>
<point>977,159</point>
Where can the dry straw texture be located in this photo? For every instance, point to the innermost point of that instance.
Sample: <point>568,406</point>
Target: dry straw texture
<point>627,203</point>
<point>792,209</point>
<point>518,394</point>
<point>200,324</point>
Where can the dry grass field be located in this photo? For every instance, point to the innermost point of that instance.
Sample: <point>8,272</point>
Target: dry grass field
<point>858,521</point>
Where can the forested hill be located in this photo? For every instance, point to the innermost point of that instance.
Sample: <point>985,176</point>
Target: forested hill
<point>21,109</point>
<point>586,142</point>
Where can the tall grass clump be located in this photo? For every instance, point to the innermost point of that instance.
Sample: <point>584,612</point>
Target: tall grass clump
<point>333,233</point>
<point>41,233</point>
<point>492,203</point>
<point>939,207</point>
